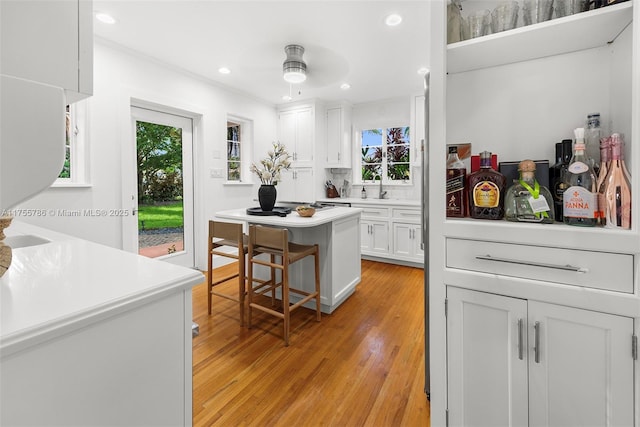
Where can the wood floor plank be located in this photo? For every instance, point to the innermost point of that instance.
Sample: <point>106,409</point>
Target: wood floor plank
<point>362,365</point>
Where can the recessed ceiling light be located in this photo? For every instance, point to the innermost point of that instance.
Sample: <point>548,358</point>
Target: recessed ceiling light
<point>224,70</point>
<point>393,20</point>
<point>105,18</point>
<point>286,97</point>
<point>345,86</point>
<point>423,70</point>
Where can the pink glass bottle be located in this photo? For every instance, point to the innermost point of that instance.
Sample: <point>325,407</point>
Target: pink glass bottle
<point>618,188</point>
<point>601,185</point>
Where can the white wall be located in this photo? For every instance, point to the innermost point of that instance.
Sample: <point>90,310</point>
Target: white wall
<point>120,76</point>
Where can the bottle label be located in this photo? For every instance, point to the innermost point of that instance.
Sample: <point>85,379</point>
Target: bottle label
<point>486,194</point>
<point>455,192</point>
<point>579,203</point>
<point>578,167</point>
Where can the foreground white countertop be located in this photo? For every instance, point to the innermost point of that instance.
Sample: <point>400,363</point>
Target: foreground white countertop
<point>322,216</point>
<point>372,201</point>
<point>60,286</point>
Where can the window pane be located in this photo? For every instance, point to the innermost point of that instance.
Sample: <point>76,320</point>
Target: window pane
<point>233,171</point>
<point>370,171</point>
<point>398,171</point>
<point>398,136</point>
<point>233,150</point>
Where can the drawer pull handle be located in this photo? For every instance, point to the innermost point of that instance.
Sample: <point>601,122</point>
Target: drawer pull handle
<point>534,264</point>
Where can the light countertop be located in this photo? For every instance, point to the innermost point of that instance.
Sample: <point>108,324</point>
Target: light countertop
<point>374,201</point>
<point>57,287</point>
<point>322,216</point>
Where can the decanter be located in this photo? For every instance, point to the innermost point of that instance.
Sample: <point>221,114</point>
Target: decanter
<point>486,191</point>
<point>526,200</point>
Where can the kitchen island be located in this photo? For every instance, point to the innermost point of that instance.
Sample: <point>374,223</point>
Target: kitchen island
<point>92,335</point>
<point>336,230</point>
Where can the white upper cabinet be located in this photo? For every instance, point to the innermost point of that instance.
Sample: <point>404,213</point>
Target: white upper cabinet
<point>296,132</point>
<point>49,42</point>
<point>338,137</point>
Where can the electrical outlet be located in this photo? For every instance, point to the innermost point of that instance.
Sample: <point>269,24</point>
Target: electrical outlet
<point>216,173</point>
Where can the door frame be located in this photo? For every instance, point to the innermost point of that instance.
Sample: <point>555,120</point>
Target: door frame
<point>129,172</point>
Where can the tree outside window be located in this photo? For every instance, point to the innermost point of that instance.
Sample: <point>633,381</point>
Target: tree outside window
<point>386,154</point>
<point>234,151</point>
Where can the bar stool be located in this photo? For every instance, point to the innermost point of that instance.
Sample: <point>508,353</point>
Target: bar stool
<point>227,234</point>
<point>275,242</point>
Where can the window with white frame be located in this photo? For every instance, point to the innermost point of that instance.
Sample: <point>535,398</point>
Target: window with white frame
<point>386,154</point>
<point>238,147</point>
<point>75,168</point>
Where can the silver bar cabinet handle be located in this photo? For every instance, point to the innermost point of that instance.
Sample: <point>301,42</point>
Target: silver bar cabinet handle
<point>533,264</point>
<point>536,348</point>
<point>520,343</point>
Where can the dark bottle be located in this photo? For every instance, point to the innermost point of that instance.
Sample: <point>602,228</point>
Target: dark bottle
<point>486,191</point>
<point>557,174</point>
<point>456,202</point>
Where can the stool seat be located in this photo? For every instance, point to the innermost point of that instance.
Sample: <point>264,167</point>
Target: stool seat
<point>275,243</point>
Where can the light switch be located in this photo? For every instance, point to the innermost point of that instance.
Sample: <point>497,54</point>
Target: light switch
<point>216,154</point>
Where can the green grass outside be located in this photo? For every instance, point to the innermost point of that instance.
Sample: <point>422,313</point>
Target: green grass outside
<point>160,216</point>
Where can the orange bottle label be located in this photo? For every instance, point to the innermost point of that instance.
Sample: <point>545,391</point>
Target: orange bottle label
<point>486,194</point>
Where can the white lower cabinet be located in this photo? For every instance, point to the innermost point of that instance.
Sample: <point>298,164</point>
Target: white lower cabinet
<point>407,239</point>
<point>514,362</point>
<point>374,237</point>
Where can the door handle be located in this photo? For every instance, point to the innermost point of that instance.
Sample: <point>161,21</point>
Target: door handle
<point>520,343</point>
<point>536,348</point>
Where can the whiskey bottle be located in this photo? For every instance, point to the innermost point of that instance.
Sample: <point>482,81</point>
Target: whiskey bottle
<point>580,197</point>
<point>526,200</point>
<point>618,188</point>
<point>557,174</point>
<point>486,191</point>
<point>456,202</point>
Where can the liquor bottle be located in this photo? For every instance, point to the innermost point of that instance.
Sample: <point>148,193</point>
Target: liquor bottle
<point>601,184</point>
<point>618,188</point>
<point>456,203</point>
<point>580,197</point>
<point>526,200</point>
<point>592,135</point>
<point>363,193</point>
<point>486,191</point>
<point>557,174</point>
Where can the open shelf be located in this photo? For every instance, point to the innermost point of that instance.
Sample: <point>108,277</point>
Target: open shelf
<point>572,33</point>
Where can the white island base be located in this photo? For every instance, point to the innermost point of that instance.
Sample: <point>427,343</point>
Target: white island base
<point>337,233</point>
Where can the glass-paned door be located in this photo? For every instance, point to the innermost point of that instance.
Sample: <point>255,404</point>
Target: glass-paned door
<point>162,197</point>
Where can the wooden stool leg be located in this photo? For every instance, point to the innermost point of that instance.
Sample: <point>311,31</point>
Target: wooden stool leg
<point>316,257</point>
<point>250,284</point>
<point>285,303</point>
<point>273,280</point>
<point>241,285</point>
<point>209,280</point>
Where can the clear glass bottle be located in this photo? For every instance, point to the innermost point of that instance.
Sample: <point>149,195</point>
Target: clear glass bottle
<point>557,174</point>
<point>580,197</point>
<point>486,191</point>
<point>456,202</point>
<point>526,200</point>
<point>592,135</point>
<point>363,193</point>
<point>618,188</point>
<point>601,184</point>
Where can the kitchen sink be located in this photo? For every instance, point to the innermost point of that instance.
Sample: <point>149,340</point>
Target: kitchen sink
<point>24,240</point>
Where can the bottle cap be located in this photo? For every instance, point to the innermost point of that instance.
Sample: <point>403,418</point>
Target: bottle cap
<point>453,149</point>
<point>527,166</point>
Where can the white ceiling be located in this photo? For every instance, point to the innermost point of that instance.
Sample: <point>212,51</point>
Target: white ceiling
<point>344,41</point>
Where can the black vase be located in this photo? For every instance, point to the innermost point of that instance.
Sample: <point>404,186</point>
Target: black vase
<point>267,197</point>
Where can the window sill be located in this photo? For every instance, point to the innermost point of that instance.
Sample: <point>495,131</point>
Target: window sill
<point>237,184</point>
<point>59,184</point>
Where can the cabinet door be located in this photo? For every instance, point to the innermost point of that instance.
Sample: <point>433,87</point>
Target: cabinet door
<point>380,237</point>
<point>365,236</point>
<point>334,136</point>
<point>583,374</point>
<point>286,187</point>
<point>39,41</point>
<point>417,241</point>
<point>304,138</point>
<point>487,369</point>
<point>304,188</point>
<point>287,130</point>
<point>402,241</point>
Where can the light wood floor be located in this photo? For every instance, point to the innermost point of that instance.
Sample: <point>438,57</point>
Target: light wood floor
<point>362,365</point>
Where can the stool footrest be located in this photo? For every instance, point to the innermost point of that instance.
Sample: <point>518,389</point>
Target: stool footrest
<point>225,279</point>
<point>229,297</point>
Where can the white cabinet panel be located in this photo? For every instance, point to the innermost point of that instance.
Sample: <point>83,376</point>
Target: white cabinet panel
<point>296,132</point>
<point>296,185</point>
<point>584,372</point>
<point>338,137</point>
<point>406,241</point>
<point>488,362</point>
<point>374,237</point>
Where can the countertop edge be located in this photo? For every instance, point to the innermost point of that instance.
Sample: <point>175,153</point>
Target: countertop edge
<point>24,338</point>
<point>335,214</point>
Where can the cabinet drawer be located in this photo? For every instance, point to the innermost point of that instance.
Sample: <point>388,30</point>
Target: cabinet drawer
<point>406,214</point>
<point>599,270</point>
<point>373,212</point>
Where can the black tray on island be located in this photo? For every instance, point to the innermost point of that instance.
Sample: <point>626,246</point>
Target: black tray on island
<point>277,211</point>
